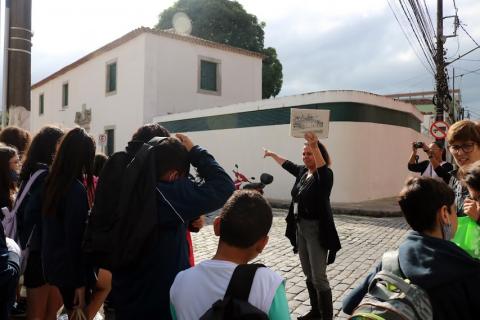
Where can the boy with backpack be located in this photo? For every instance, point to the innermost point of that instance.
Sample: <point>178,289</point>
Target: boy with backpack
<point>214,288</point>
<point>434,278</point>
<point>156,202</point>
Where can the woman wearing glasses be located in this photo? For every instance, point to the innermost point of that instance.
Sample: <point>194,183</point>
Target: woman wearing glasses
<point>464,144</point>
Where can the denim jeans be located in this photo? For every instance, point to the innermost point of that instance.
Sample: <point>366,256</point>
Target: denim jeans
<point>313,256</point>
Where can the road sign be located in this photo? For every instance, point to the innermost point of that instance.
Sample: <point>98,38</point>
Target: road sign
<point>102,139</point>
<point>439,129</point>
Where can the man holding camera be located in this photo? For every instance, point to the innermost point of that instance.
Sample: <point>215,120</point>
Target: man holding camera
<point>435,166</point>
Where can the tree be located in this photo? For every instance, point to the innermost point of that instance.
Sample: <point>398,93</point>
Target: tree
<point>227,22</point>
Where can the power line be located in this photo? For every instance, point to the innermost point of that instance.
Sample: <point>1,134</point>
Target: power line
<point>468,34</point>
<point>469,72</point>
<point>424,45</point>
<point>431,70</point>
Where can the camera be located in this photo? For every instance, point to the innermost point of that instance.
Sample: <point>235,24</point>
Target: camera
<point>418,145</point>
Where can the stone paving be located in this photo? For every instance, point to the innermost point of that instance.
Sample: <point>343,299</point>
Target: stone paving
<point>364,239</point>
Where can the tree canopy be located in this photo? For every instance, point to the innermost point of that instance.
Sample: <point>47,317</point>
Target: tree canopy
<point>227,22</point>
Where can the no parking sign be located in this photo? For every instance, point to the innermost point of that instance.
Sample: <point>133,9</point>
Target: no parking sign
<point>439,130</point>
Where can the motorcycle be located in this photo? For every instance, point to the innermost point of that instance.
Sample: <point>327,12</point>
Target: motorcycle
<point>242,182</point>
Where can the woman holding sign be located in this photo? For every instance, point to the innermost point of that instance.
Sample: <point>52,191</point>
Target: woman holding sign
<point>310,225</point>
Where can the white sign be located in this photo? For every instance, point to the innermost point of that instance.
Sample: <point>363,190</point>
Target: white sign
<point>102,139</point>
<point>305,120</point>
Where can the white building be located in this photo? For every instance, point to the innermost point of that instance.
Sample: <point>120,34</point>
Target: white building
<point>143,74</point>
<point>369,140</point>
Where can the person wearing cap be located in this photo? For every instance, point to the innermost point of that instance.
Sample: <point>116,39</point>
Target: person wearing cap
<point>435,166</point>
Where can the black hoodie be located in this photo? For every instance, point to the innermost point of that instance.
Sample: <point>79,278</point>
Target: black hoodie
<point>450,276</point>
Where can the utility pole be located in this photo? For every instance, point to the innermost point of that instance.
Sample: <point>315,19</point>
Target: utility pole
<point>5,63</point>
<point>440,100</point>
<point>19,63</point>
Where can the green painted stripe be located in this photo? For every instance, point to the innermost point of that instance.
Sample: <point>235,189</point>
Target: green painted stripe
<point>339,111</point>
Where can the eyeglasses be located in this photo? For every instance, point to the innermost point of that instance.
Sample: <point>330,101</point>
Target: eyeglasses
<point>466,147</point>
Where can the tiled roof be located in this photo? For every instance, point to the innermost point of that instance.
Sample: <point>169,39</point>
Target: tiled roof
<point>133,34</point>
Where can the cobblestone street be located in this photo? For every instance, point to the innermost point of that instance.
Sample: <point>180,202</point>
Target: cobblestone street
<point>364,240</point>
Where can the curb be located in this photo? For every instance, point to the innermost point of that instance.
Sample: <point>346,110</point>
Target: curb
<point>368,209</point>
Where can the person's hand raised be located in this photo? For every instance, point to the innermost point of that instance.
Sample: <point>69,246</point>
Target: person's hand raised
<point>311,138</point>
<point>185,140</point>
<point>268,153</point>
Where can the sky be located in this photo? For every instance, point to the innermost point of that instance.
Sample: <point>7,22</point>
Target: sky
<point>322,44</point>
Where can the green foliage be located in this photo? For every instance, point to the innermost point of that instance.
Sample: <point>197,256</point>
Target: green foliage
<point>227,22</point>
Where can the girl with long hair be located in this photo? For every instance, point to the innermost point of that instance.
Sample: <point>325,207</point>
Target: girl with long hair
<point>43,300</point>
<point>66,201</point>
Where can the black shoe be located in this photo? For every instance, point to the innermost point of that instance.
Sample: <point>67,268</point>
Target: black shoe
<point>311,315</point>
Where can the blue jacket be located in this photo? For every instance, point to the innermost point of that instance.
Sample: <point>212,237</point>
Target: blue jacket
<point>448,274</point>
<point>143,292</point>
<point>62,234</point>
<point>9,273</point>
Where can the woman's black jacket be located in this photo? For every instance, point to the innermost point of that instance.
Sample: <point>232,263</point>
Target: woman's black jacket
<point>316,200</point>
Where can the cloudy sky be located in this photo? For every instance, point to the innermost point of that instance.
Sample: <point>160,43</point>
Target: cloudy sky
<point>322,44</point>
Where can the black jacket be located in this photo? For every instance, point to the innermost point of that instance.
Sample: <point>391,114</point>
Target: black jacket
<point>442,170</point>
<point>62,233</point>
<point>450,276</point>
<point>316,201</point>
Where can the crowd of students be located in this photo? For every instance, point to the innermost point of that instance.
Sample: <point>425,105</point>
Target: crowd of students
<point>48,187</point>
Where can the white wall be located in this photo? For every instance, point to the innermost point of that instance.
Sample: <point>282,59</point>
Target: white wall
<point>122,110</point>
<point>171,78</point>
<point>369,160</point>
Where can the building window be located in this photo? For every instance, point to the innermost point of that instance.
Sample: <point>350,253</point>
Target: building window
<point>41,104</point>
<point>110,148</point>
<point>209,76</point>
<point>65,95</point>
<point>111,78</point>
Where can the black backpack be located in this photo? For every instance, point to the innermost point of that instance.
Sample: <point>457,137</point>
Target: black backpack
<point>123,219</point>
<point>235,305</point>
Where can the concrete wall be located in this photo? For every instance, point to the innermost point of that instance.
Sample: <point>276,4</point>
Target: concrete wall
<point>122,111</point>
<point>369,160</point>
<point>172,77</point>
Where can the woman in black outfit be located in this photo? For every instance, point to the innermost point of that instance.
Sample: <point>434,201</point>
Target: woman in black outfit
<point>310,225</point>
<point>43,300</point>
<point>65,206</point>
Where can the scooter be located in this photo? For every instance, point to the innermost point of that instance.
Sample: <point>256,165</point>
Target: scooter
<point>242,182</point>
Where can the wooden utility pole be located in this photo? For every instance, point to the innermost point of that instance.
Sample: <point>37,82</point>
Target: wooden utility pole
<point>441,100</point>
<point>19,63</point>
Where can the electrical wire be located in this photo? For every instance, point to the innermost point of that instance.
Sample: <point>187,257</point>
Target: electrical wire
<point>416,29</point>
<point>431,70</point>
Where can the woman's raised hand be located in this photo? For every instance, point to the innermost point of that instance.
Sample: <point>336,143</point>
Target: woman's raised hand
<point>311,138</point>
<point>268,153</point>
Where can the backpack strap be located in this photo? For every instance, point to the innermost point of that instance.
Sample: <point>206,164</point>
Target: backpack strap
<point>241,281</point>
<point>25,190</point>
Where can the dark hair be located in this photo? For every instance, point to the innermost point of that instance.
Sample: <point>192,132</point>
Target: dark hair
<point>7,186</point>
<point>98,163</point>
<point>171,154</point>
<point>420,200</point>
<point>324,153</point>
<point>16,137</point>
<point>464,130</point>
<point>246,217</point>
<point>42,150</point>
<point>471,176</point>
<point>146,132</point>
<point>74,160</point>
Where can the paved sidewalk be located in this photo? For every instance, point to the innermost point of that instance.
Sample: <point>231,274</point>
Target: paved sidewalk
<point>386,207</point>
<point>364,239</point>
